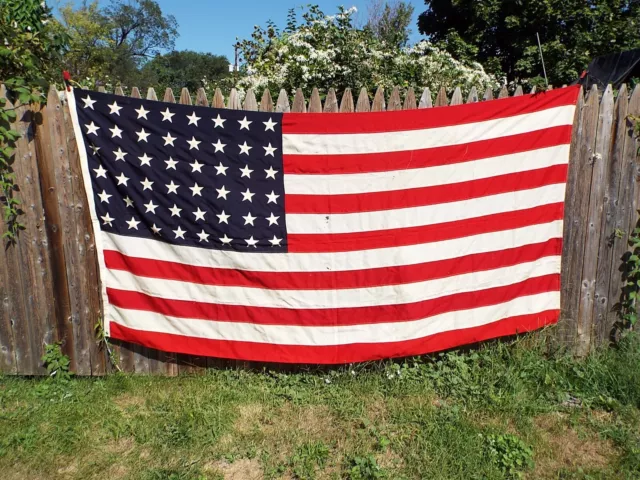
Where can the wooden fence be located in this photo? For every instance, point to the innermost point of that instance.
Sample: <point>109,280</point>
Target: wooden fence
<point>49,279</point>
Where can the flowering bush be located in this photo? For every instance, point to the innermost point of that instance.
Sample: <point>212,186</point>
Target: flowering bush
<point>328,51</point>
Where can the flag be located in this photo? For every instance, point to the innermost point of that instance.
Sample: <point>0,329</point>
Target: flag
<point>325,238</point>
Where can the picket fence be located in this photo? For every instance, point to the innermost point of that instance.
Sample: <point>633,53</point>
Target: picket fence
<point>49,280</point>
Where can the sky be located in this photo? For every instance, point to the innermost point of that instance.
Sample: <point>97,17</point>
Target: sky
<point>212,26</point>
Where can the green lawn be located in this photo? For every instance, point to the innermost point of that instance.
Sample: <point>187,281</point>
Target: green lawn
<point>505,411</point>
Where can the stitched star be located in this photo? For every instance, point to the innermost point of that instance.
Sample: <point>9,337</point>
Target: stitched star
<point>244,148</point>
<point>142,113</point>
<point>151,207</point>
<point>269,150</point>
<point>225,240</point>
<point>100,172</point>
<point>199,214</point>
<point>179,233</point>
<point>249,219</point>
<point>219,146</point>
<point>193,143</point>
<point>175,211</point>
<point>196,166</point>
<point>155,230</point>
<point>107,219</point>
<point>88,102</point>
<point>146,184</point>
<point>115,132</point>
<point>223,217</point>
<point>172,188</point>
<point>133,223</point>
<point>120,154</point>
<point>168,140</point>
<point>219,122</point>
<point>221,169</point>
<point>142,135</point>
<point>104,197</point>
<point>128,201</point>
<point>247,195</point>
<point>251,242</point>
<point>195,190</point>
<point>272,197</point>
<point>94,148</point>
<point>269,125</point>
<point>246,171</point>
<point>167,115</point>
<point>275,241</point>
<point>145,160</point>
<point>204,237</point>
<point>114,108</point>
<point>193,119</point>
<point>271,173</point>
<point>122,179</point>
<point>92,128</point>
<point>171,163</point>
<point>244,123</point>
<point>273,220</point>
<point>223,192</point>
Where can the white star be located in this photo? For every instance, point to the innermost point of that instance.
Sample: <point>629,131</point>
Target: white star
<point>193,143</point>
<point>271,173</point>
<point>247,195</point>
<point>168,140</point>
<point>175,211</point>
<point>272,197</point>
<point>179,233</point>
<point>221,169</point>
<point>155,230</point>
<point>275,241</point>
<point>145,160</point>
<point>269,150</point>
<point>248,219</point>
<point>219,146</point>
<point>246,171</point>
<point>199,214</point>
<point>269,125</point>
<point>171,163</point>
<point>104,197</point>
<point>92,128</point>
<point>115,132</point>
<point>142,135</point>
<point>128,201</point>
<point>223,192</point>
<point>251,242</point>
<point>203,236</point>
<point>225,240</point>
<point>172,188</point>
<point>223,217</point>
<point>193,119</point>
<point>122,179</point>
<point>114,108</point>
<point>272,219</point>
<point>142,113</point>
<point>244,123</point>
<point>146,184</point>
<point>195,190</point>
<point>244,148</point>
<point>166,115</point>
<point>88,102</point>
<point>100,172</point>
<point>119,154</point>
<point>151,207</point>
<point>133,223</point>
<point>219,122</point>
<point>196,166</point>
<point>94,148</point>
<point>106,219</point>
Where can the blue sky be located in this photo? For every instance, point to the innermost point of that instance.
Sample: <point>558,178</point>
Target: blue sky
<point>213,25</point>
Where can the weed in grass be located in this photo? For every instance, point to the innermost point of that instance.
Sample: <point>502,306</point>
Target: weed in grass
<point>309,458</point>
<point>364,468</point>
<point>510,453</point>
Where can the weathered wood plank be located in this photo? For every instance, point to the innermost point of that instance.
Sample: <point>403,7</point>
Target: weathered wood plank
<point>518,91</point>
<point>504,92</point>
<point>425,99</point>
<point>282,104</point>
<point>378,101</point>
<point>441,98</point>
<point>266,103</point>
<point>201,98</point>
<point>594,227</point>
<point>331,102</point>
<point>299,103</point>
<point>627,205</point>
<point>346,105</point>
<point>218,99</point>
<point>363,104</point>
<point>394,100</point>
<point>410,100</point>
<point>315,104</point>
<point>575,215</point>
<point>611,209</point>
<point>234,100</point>
<point>169,96</point>
<point>151,94</point>
<point>488,94</point>
<point>533,90</point>
<point>473,95</point>
<point>456,98</point>
<point>185,97</point>
<point>250,102</point>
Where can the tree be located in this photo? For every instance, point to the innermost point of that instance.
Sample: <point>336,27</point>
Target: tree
<point>501,34</point>
<point>329,51</point>
<point>390,21</point>
<point>186,68</point>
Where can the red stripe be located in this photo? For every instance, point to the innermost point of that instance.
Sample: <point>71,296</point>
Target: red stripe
<point>373,277</point>
<point>332,316</point>
<point>358,352</point>
<point>437,194</point>
<point>319,123</point>
<point>349,242</point>
<point>430,157</point>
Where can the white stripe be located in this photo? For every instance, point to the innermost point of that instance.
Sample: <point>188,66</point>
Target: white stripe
<point>327,223</point>
<point>330,298</point>
<point>333,261</point>
<point>354,143</point>
<point>334,335</point>
<point>341,184</point>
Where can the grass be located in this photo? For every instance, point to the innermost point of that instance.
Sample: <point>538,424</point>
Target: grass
<point>507,410</point>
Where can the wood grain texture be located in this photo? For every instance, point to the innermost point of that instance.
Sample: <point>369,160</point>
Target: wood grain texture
<point>410,100</point>
<point>169,96</point>
<point>488,94</point>
<point>363,104</point>
<point>299,103</point>
<point>504,93</point>
<point>218,99</point>
<point>233,103</point>
<point>282,105</point>
<point>394,100</point>
<point>250,102</point>
<point>518,91</point>
<point>266,103</point>
<point>346,105</point>
<point>456,98</point>
<point>473,95</point>
<point>151,94</point>
<point>425,99</point>
<point>315,104</point>
<point>378,101</point>
<point>331,102</point>
<point>441,98</point>
<point>201,98</point>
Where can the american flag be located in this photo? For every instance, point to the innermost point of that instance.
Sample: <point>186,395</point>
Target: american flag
<point>325,238</point>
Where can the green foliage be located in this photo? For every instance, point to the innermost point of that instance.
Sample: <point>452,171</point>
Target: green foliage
<point>628,306</point>
<point>56,363</point>
<point>501,34</point>
<point>510,453</point>
<point>309,457</point>
<point>364,468</point>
